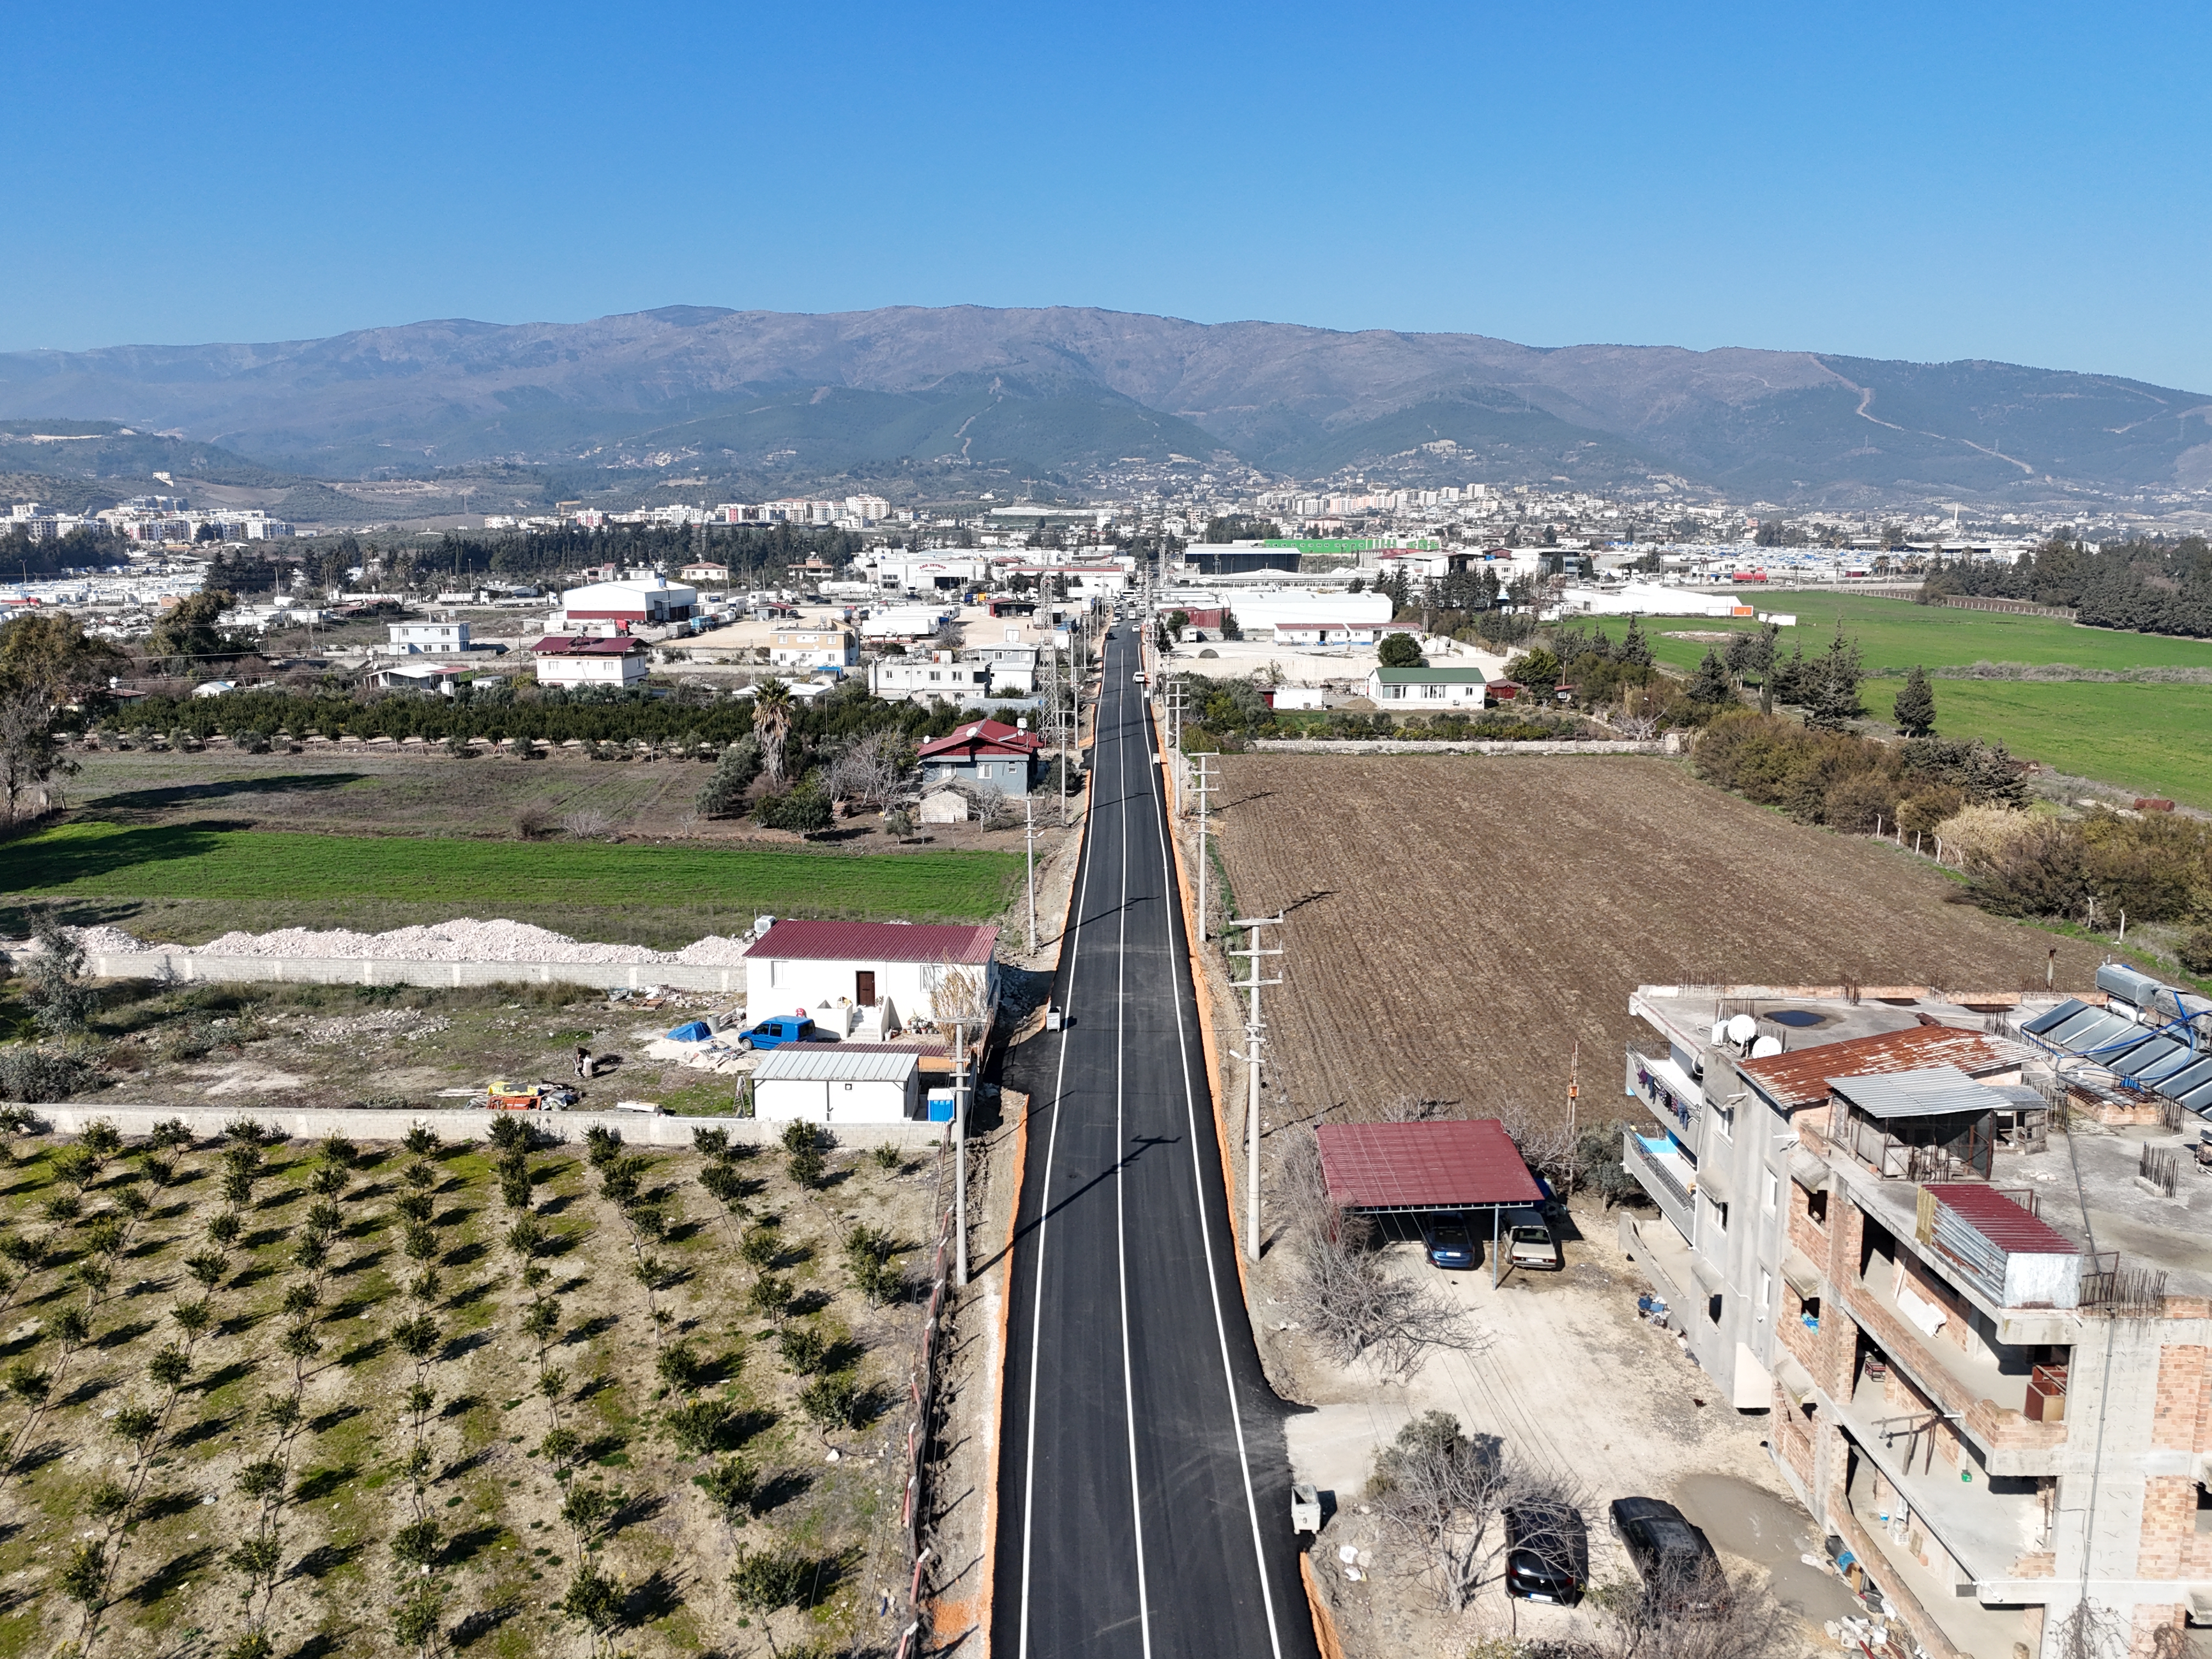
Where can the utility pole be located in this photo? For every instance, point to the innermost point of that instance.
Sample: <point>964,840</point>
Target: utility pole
<point>1254,1035</point>
<point>960,1152</point>
<point>1205,780</point>
<point>1029,832</point>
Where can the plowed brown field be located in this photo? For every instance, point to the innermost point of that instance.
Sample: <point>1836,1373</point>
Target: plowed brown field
<point>1457,923</point>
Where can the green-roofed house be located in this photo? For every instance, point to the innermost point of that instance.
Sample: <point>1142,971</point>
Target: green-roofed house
<point>1419,691</point>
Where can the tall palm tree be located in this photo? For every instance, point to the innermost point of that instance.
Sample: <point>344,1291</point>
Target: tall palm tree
<point>771,725</point>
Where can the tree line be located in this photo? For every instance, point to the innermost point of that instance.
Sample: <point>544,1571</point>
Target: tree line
<point>2155,585</point>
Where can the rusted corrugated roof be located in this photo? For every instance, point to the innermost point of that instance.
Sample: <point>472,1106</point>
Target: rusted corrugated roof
<point>1801,1078</point>
<point>2001,1221</point>
<point>1423,1166</point>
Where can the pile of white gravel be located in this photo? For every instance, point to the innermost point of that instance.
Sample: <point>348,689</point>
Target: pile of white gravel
<point>464,939</point>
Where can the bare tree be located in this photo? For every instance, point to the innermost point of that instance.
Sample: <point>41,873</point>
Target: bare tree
<point>1447,1494</point>
<point>1696,1615</point>
<point>871,770</point>
<point>1338,1289</point>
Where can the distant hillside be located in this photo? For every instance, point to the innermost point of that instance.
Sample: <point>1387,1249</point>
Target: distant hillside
<point>80,449</point>
<point>775,398</point>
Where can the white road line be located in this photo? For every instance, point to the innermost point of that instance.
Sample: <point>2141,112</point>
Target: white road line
<point>1121,1176</point>
<point>1044,1221</point>
<point>1205,1229</point>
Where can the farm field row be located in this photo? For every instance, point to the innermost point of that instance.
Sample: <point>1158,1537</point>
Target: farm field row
<point>1457,925</point>
<point>314,875</point>
<point>608,1399</point>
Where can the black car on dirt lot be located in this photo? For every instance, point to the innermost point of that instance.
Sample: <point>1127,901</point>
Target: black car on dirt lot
<point>1547,1553</point>
<point>1675,1559</point>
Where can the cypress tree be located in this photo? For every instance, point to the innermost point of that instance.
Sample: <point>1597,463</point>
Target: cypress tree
<point>1915,707</point>
<point>1711,683</point>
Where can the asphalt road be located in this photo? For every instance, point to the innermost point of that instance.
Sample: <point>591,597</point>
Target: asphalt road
<point>1145,1487</point>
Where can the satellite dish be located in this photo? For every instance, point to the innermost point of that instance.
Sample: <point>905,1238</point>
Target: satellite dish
<point>1742,1029</point>
<point>1765,1045</point>
<point>1720,1032</point>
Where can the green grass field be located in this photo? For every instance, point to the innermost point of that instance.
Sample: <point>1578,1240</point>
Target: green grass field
<point>2146,737</point>
<point>493,878</point>
<point>1895,634</point>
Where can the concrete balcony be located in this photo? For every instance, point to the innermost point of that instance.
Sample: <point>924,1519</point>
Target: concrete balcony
<point>1988,1402</point>
<point>1949,1625</point>
<point>1988,1525</point>
<point>1667,1178</point>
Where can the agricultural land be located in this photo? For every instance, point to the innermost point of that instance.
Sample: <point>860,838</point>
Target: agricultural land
<point>180,848</point>
<point>1462,923</point>
<point>2146,735</point>
<point>663,1423</point>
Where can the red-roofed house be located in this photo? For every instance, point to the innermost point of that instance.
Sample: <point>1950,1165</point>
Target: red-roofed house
<point>983,752</point>
<point>574,659</point>
<point>878,974</point>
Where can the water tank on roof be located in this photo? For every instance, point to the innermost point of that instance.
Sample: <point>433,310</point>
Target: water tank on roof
<point>2118,980</point>
<point>1763,1047</point>
<point>1741,1030</point>
<point>1720,1032</point>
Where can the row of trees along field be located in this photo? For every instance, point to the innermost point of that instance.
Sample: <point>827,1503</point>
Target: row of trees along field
<point>2151,586</point>
<point>753,552</point>
<point>2155,867</point>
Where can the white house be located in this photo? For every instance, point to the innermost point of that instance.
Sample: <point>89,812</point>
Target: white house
<point>956,677</point>
<point>569,660</point>
<point>814,645</point>
<point>886,974</point>
<point>410,639</point>
<point>1416,691</point>
<point>838,1082</point>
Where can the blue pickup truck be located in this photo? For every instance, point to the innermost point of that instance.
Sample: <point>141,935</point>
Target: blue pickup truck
<point>783,1029</point>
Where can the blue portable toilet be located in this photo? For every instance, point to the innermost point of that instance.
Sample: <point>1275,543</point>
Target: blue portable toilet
<point>940,1105</point>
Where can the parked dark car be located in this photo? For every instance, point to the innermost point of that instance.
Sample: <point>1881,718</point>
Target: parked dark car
<point>1449,1243</point>
<point>1674,1559</point>
<point>1547,1553</point>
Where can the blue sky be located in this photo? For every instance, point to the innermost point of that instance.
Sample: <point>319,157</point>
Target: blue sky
<point>2022,182</point>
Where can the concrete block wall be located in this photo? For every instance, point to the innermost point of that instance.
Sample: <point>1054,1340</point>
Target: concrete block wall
<point>720,980</point>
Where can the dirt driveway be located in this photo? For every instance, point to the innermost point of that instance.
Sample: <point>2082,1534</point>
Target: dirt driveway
<point>1568,1378</point>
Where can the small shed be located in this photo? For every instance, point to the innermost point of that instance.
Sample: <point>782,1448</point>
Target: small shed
<point>822,1083</point>
<point>943,806</point>
<point>1935,1123</point>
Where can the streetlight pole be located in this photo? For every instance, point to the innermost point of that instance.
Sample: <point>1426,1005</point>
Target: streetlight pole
<point>1254,1037</point>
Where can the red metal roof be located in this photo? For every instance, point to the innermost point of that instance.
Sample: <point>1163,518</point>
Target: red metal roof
<point>1799,1077</point>
<point>1423,1166</point>
<point>875,941</point>
<point>2001,1221</point>
<point>983,738</point>
<point>577,645</point>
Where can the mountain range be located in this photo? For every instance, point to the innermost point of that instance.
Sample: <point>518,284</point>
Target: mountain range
<point>908,397</point>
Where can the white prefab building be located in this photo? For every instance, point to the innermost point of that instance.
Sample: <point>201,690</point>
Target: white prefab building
<point>882,975</point>
<point>838,1082</point>
<point>647,600</point>
<point>1414,690</point>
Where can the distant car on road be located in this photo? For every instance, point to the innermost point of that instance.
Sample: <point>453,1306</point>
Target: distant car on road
<point>1674,1559</point>
<point>1547,1553</point>
<point>1137,679</point>
<point>1448,1243</point>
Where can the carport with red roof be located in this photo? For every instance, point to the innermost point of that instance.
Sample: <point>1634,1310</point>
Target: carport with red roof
<point>1431,1166</point>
